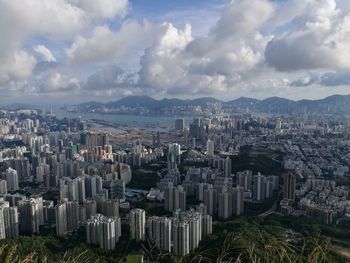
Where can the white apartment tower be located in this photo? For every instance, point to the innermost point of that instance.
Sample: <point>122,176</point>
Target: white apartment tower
<point>138,224</point>
<point>103,231</point>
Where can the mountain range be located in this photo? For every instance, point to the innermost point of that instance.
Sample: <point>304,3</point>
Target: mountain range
<point>336,104</point>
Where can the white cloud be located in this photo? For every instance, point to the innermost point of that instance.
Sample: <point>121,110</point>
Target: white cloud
<point>17,66</point>
<point>21,20</point>
<point>56,82</point>
<point>320,40</point>
<point>105,44</point>
<point>242,18</point>
<point>45,53</point>
<point>103,8</point>
<point>255,47</point>
<point>212,64</point>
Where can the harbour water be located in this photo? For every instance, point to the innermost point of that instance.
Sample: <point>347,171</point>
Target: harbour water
<point>133,121</point>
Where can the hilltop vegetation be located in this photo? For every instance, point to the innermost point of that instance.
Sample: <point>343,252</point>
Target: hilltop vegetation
<point>243,239</point>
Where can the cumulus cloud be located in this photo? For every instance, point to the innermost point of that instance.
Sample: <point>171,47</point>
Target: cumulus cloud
<point>338,78</point>
<point>180,64</point>
<point>105,44</point>
<point>45,53</point>
<point>56,82</point>
<point>320,39</point>
<point>306,80</point>
<point>103,8</point>
<point>242,18</point>
<point>254,47</point>
<point>16,66</point>
<point>20,20</point>
<point>113,77</point>
<point>328,79</point>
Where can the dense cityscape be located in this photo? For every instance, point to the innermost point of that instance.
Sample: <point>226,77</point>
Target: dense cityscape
<point>201,131</point>
<point>170,187</point>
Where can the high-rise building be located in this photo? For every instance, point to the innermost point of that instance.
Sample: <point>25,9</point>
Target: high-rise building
<point>207,225</point>
<point>110,207</point>
<point>224,205</point>
<point>90,208</point>
<point>196,128</point>
<point>201,208</point>
<point>245,179</point>
<point>259,187</point>
<point>174,156</point>
<point>175,198</point>
<point>169,198</point>
<point>67,217</point>
<point>103,231</point>
<point>3,186</point>
<point>138,224</point>
<point>158,139</point>
<point>31,215</point>
<point>61,219</point>
<point>181,238</point>
<point>72,216</point>
<point>115,188</point>
<point>8,221</point>
<point>179,124</point>
<point>227,166</point>
<point>159,230</point>
<point>93,185</point>
<point>278,124</point>
<point>210,200</point>
<point>194,220</point>
<point>11,178</point>
<point>238,200</point>
<point>210,148</point>
<point>179,198</point>
<point>289,182</point>
<point>73,189</point>
<point>93,140</point>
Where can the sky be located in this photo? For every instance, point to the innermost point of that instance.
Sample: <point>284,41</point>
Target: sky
<point>72,51</point>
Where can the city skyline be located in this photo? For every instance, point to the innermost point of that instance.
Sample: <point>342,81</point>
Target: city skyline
<point>105,50</point>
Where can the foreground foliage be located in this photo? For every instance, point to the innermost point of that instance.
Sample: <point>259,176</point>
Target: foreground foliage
<point>246,239</point>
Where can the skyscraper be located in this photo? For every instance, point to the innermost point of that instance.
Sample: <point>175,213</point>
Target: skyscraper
<point>207,225</point>
<point>110,207</point>
<point>238,200</point>
<point>224,205</point>
<point>174,155</point>
<point>181,238</point>
<point>289,182</point>
<point>259,187</point>
<point>210,148</point>
<point>8,221</point>
<point>227,166</point>
<point>210,200</point>
<point>179,124</point>
<point>31,215</point>
<point>159,230</point>
<point>175,198</point>
<point>3,186</point>
<point>93,185</point>
<point>138,224</point>
<point>61,219</point>
<point>194,220</point>
<point>11,178</point>
<point>67,217</point>
<point>103,231</point>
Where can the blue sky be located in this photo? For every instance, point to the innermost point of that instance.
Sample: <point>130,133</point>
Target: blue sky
<point>69,51</point>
